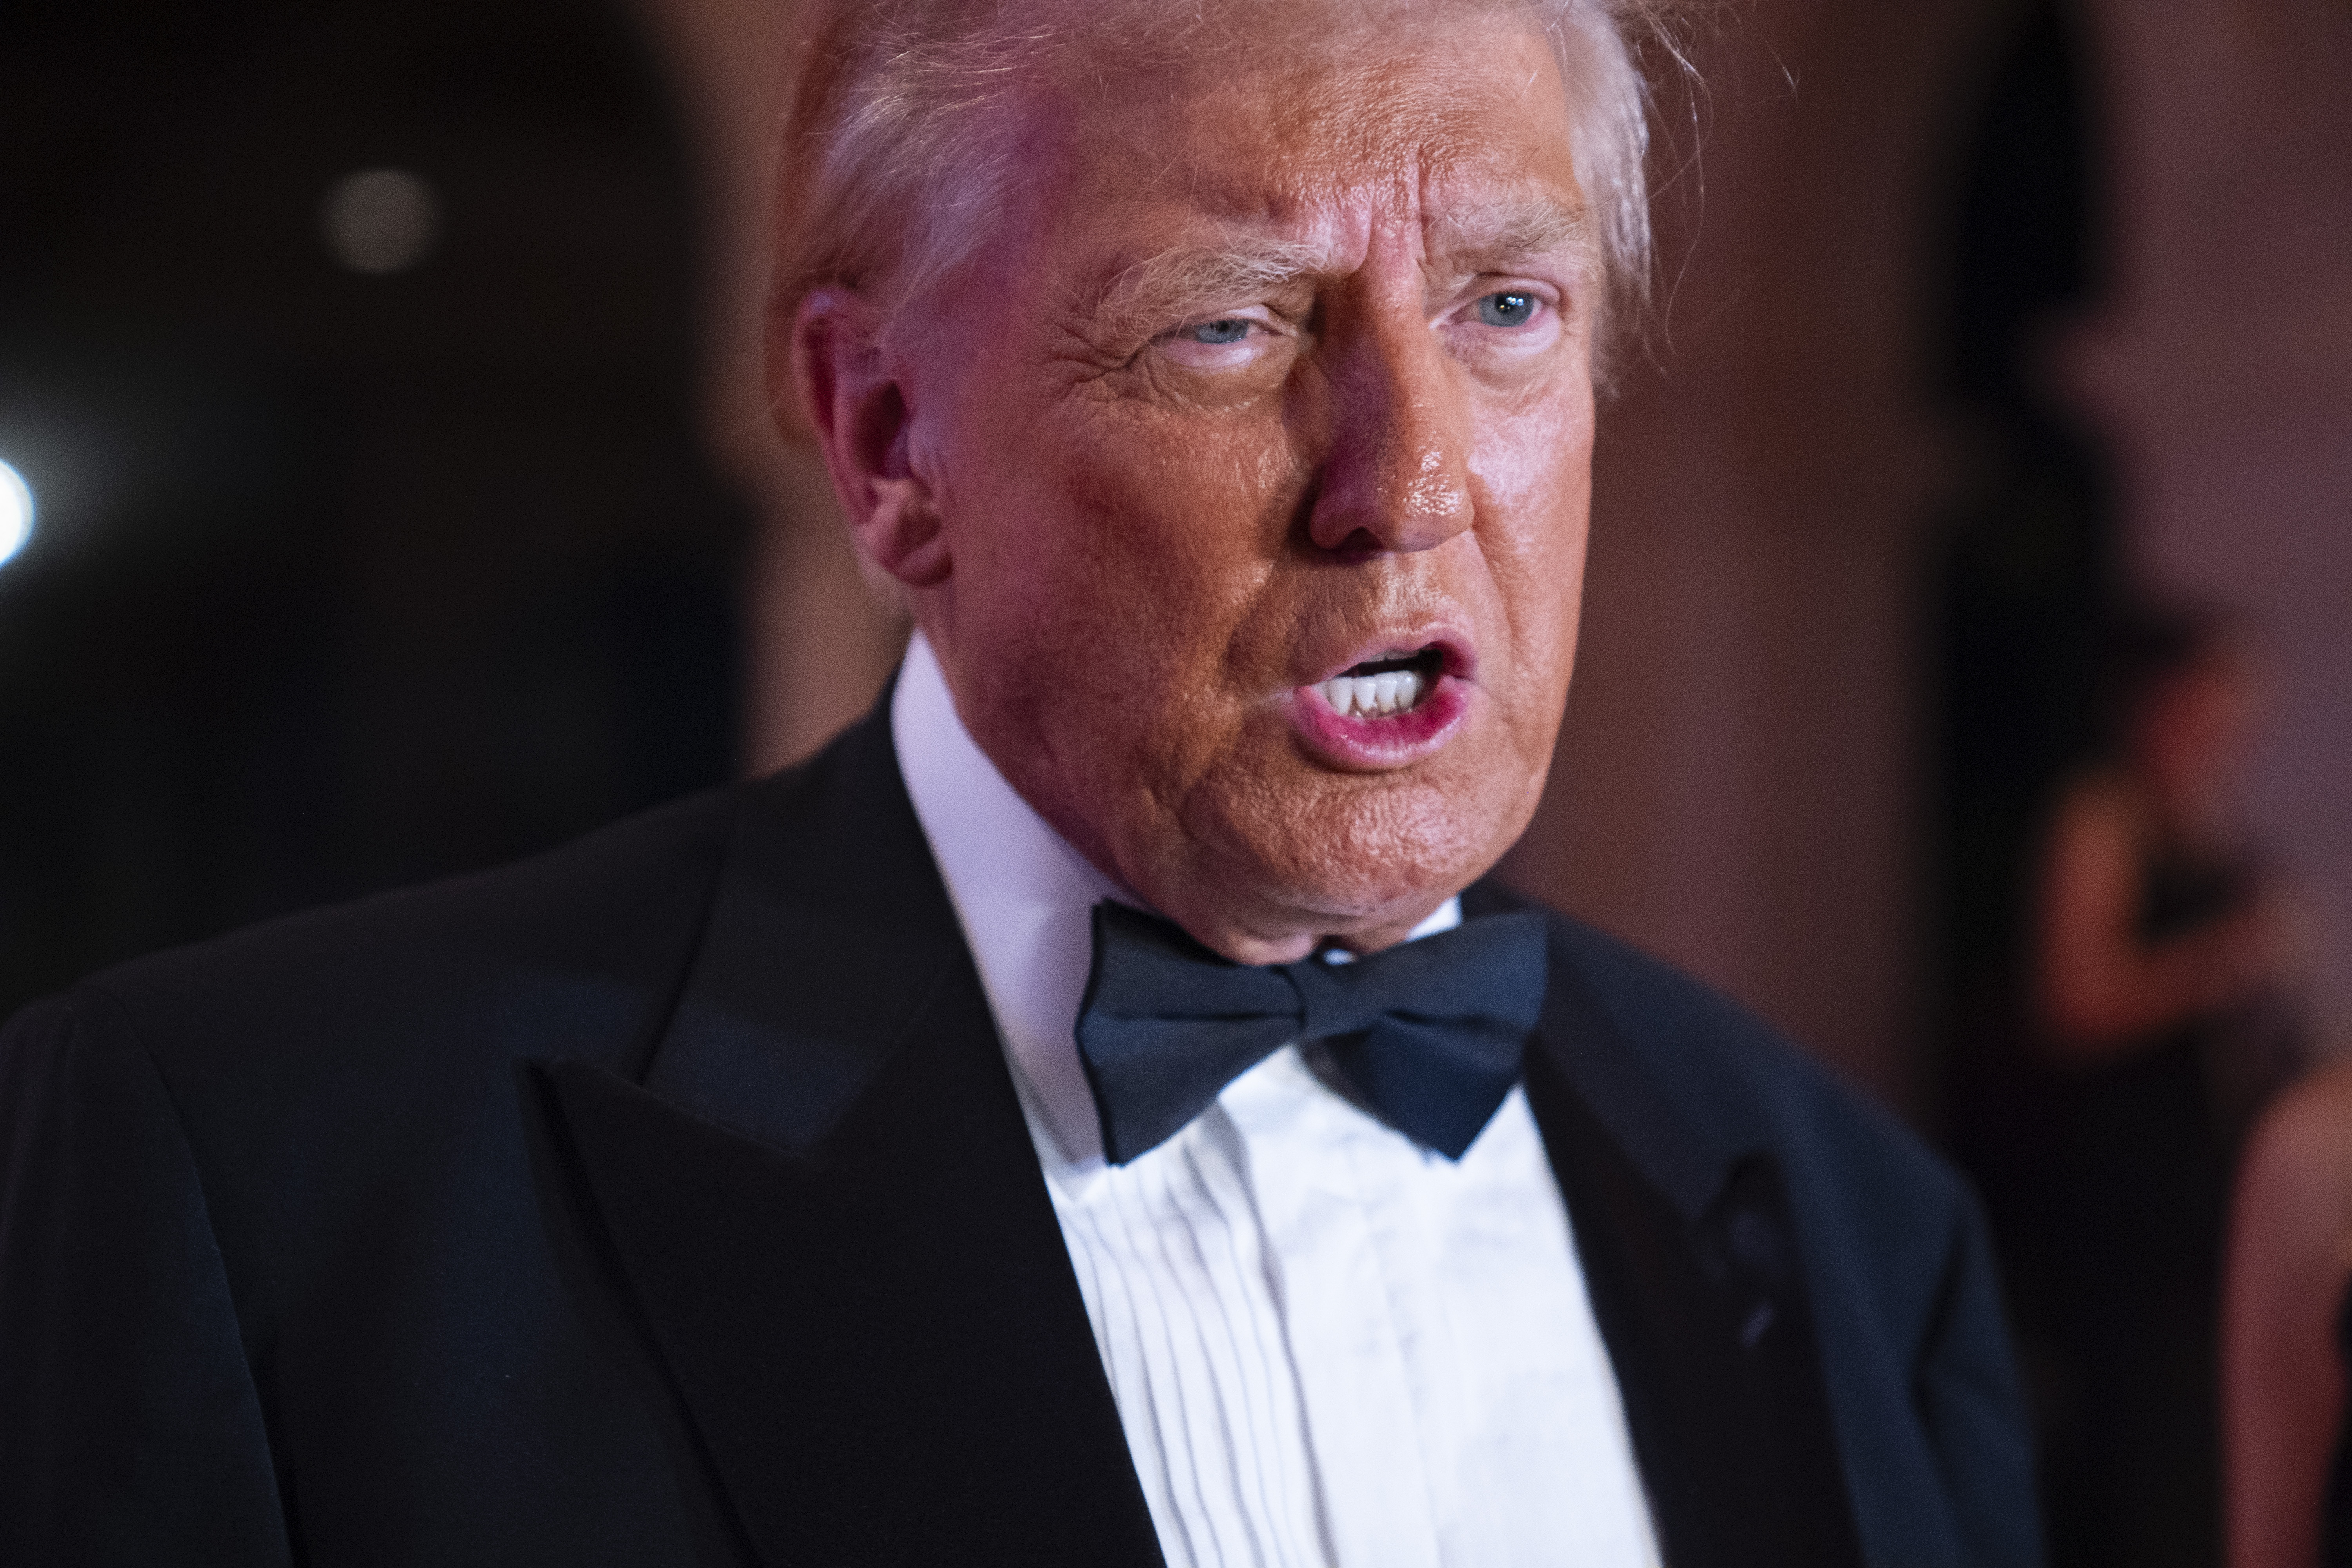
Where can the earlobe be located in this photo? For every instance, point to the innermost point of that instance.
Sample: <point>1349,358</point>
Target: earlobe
<point>858,411</point>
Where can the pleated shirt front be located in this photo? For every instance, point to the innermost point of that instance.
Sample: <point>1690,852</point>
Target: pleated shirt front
<point>1328,1344</point>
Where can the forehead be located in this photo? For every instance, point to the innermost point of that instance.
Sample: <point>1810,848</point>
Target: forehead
<point>1461,132</point>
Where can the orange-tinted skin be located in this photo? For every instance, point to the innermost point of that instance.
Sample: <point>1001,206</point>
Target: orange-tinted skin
<point>1136,535</point>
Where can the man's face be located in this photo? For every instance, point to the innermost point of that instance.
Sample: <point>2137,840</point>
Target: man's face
<point>1279,368</point>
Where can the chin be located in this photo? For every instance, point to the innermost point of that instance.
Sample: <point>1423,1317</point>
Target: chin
<point>1288,867</point>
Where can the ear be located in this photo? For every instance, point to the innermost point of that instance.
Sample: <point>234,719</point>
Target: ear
<point>859,412</point>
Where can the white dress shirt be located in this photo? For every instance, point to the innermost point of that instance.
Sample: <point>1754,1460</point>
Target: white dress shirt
<point>1329,1345</point>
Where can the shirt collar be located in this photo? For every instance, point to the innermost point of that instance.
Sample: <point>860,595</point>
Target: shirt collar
<point>1025,897</point>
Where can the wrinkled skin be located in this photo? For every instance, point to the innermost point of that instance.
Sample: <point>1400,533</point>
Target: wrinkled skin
<point>1139,508</point>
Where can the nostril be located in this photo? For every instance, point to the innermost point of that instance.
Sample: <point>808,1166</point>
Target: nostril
<point>1361,545</point>
<point>1353,527</point>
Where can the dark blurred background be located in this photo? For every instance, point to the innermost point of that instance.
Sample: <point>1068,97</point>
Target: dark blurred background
<point>376,540</point>
<point>388,380</point>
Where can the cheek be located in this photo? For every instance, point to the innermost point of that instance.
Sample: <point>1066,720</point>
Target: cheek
<point>1535,475</point>
<point>1533,460</point>
<point>1126,563</point>
<point>1174,533</point>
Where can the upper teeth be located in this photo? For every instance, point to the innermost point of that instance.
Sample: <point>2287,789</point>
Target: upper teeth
<point>1392,691</point>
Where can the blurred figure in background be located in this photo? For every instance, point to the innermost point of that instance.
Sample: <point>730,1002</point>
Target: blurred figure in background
<point>2160,939</point>
<point>2112,968</point>
<point>2288,1334</point>
<point>2153,1022</point>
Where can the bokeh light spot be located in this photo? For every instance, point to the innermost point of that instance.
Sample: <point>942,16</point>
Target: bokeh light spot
<point>380,220</point>
<point>15,513</point>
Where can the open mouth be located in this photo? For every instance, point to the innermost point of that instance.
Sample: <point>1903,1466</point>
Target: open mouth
<point>1383,688</point>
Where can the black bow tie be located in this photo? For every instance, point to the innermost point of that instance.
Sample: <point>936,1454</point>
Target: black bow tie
<point>1428,1033</point>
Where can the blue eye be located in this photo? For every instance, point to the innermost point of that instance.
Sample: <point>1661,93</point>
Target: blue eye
<point>1232,330</point>
<point>1506,310</point>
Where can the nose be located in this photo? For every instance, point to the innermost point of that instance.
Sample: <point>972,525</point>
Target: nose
<point>1396,476</point>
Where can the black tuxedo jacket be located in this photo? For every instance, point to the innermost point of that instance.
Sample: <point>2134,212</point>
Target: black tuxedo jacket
<point>666,1200</point>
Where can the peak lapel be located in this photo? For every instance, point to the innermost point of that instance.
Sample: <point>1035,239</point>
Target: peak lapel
<point>821,1216</point>
<point>1690,1257</point>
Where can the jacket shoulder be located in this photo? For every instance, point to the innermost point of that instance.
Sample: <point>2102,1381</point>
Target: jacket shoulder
<point>314,1153</point>
<point>562,946</point>
<point>1737,1081</point>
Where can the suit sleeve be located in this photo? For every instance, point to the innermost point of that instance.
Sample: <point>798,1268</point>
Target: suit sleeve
<point>131,1430</point>
<point>1973,1409</point>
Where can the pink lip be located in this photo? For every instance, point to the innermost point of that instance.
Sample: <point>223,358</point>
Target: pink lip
<point>1400,738</point>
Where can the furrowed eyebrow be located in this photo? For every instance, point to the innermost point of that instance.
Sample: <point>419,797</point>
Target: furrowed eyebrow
<point>1503,231</point>
<point>1182,281</point>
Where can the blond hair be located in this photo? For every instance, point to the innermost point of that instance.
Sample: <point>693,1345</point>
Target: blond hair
<point>897,157</point>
